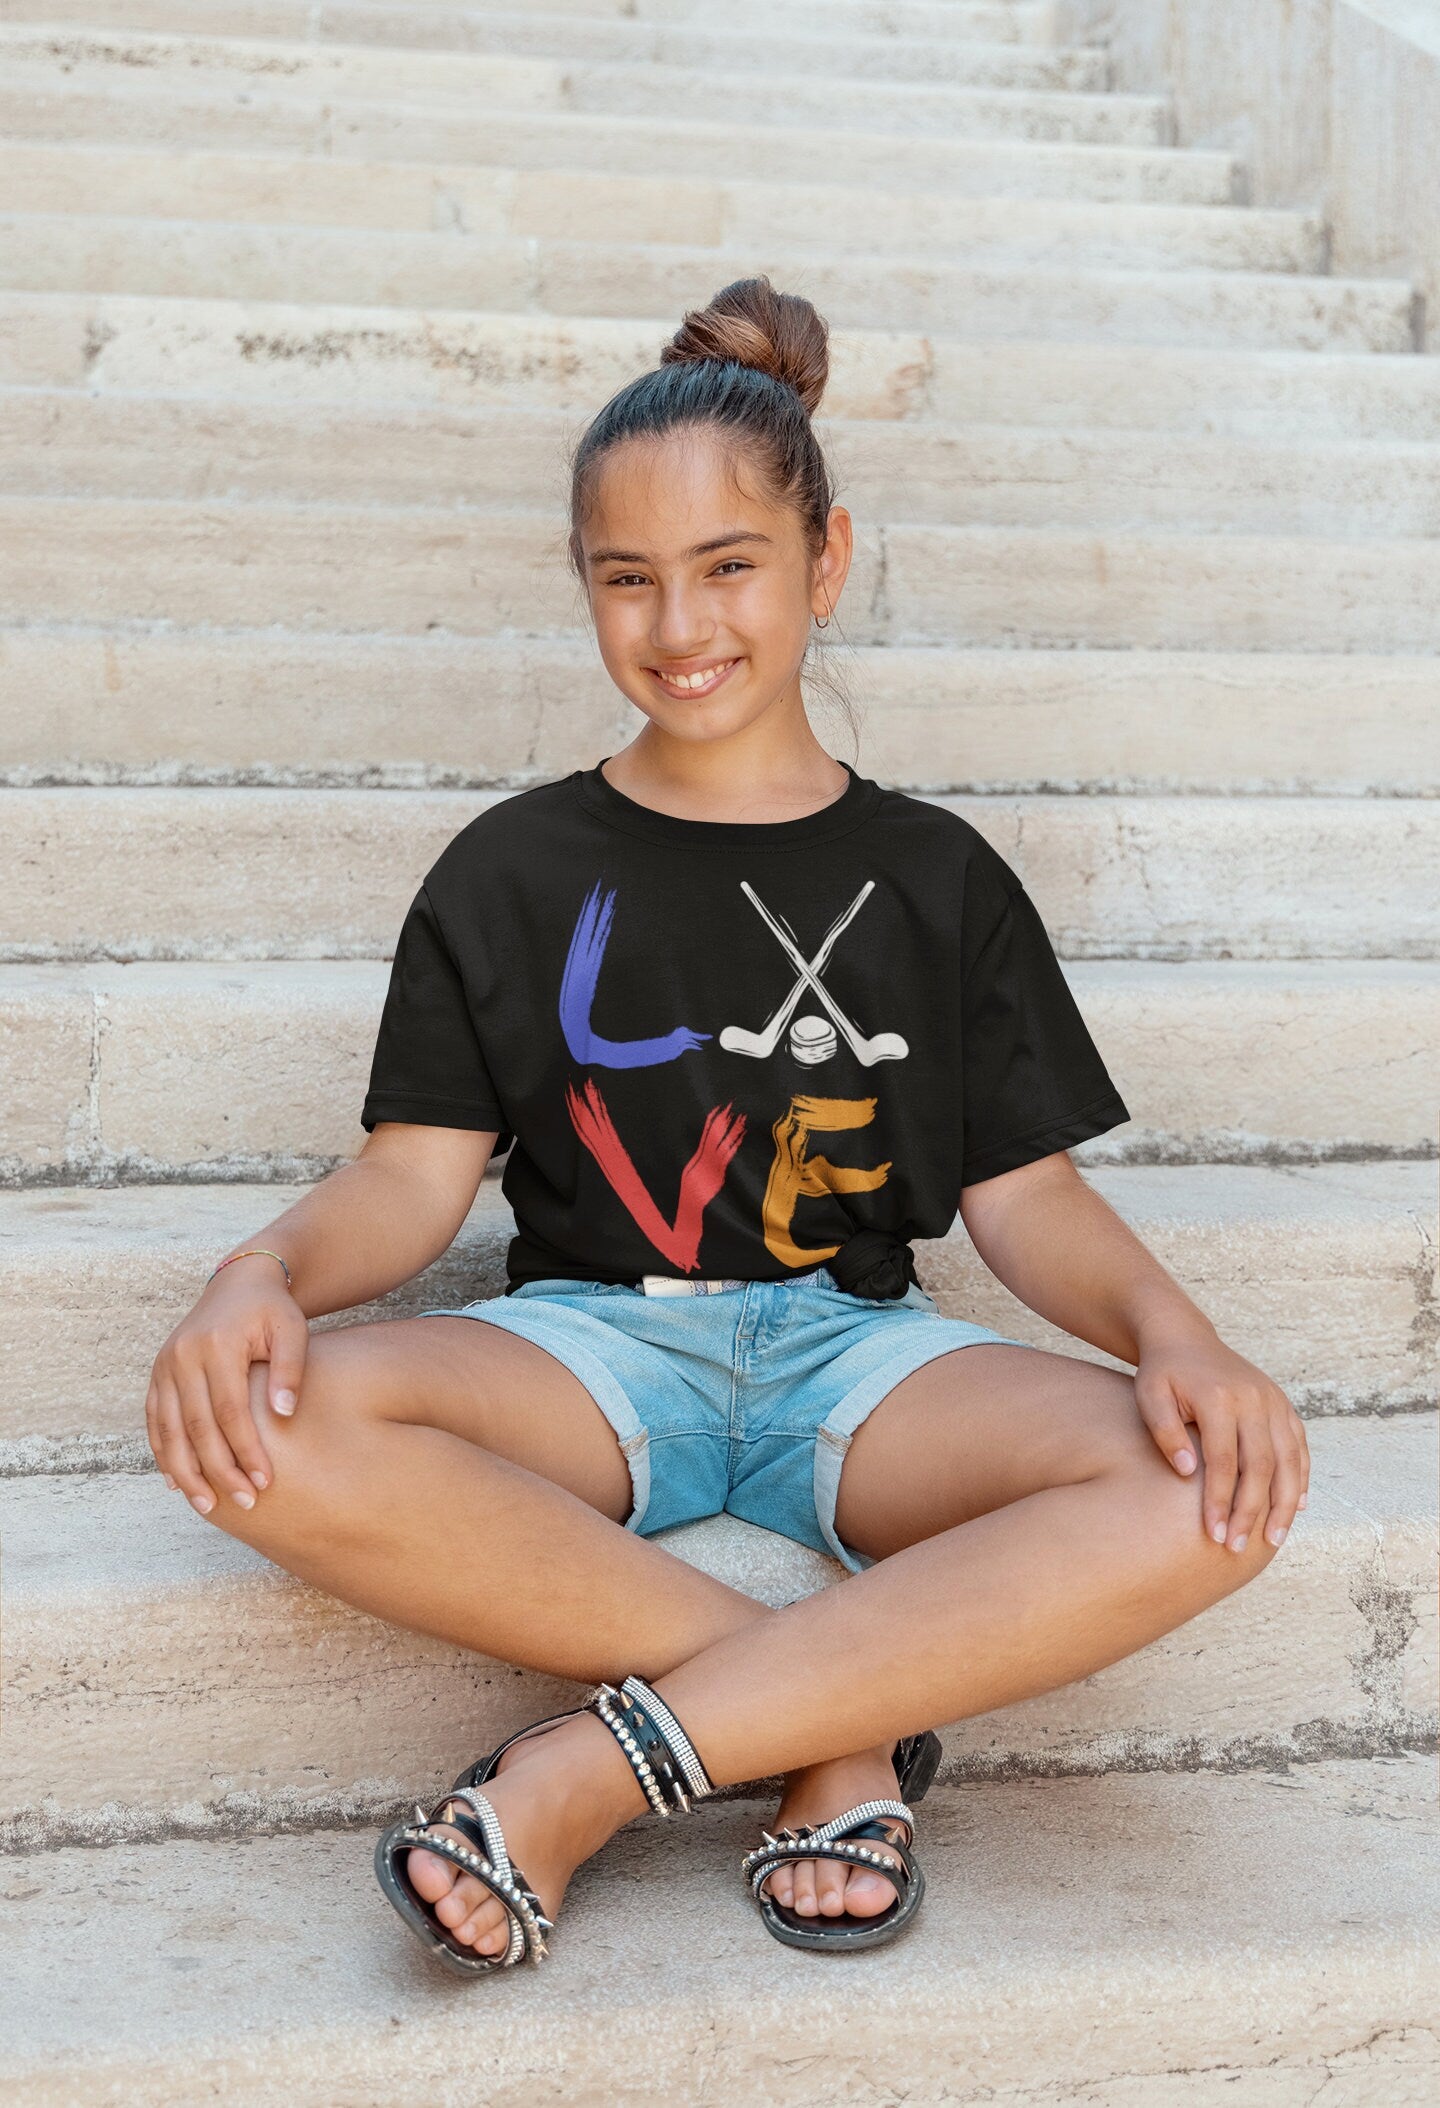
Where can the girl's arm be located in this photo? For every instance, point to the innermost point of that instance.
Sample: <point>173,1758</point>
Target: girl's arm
<point>1064,1251</point>
<point>357,1234</point>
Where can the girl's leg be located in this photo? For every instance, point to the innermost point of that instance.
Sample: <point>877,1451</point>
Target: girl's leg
<point>451,1477</point>
<point>1028,1533</point>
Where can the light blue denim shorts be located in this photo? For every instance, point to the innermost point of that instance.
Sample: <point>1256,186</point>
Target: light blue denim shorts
<point>742,1401</point>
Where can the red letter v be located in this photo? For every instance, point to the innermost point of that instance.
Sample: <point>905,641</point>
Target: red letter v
<point>700,1181</point>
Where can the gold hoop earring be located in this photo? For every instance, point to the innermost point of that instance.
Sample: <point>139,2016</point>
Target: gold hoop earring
<point>822,625</point>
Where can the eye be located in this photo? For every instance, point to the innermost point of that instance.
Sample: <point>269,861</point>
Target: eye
<point>627,578</point>
<point>736,563</point>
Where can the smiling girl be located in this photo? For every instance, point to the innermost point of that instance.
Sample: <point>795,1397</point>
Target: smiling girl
<point>746,1023</point>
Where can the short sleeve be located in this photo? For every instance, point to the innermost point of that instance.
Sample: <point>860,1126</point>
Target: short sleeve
<point>1033,1080</point>
<point>428,1069</point>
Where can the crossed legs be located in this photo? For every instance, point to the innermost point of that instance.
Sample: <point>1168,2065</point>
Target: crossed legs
<point>452,1478</point>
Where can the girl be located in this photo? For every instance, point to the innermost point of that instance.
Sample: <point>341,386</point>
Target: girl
<point>751,1022</point>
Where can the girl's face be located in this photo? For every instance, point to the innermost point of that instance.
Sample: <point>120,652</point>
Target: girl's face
<point>702,591</point>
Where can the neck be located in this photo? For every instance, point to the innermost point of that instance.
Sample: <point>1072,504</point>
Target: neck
<point>766,772</point>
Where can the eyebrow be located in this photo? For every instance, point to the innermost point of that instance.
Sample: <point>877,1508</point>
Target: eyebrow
<point>721,541</point>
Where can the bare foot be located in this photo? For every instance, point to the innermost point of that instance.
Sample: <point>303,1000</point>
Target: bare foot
<point>560,1796</point>
<point>823,1887</point>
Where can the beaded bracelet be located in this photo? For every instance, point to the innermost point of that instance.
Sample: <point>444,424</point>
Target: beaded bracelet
<point>259,1253</point>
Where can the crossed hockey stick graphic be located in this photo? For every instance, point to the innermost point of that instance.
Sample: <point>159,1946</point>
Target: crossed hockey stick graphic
<point>884,1046</point>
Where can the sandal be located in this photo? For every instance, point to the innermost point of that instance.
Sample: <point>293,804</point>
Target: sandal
<point>657,1750</point>
<point>858,1838</point>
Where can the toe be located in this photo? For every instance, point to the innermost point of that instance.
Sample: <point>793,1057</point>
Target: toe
<point>805,1899</point>
<point>830,1888</point>
<point>463,1900</point>
<point>781,1886</point>
<point>486,1928</point>
<point>866,1895</point>
<point>433,1876</point>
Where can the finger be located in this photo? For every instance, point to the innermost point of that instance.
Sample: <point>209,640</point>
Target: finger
<point>179,1451</point>
<point>217,1462</point>
<point>1284,1489</point>
<point>155,1435</point>
<point>1160,1411</point>
<point>289,1344</point>
<point>1218,1443</point>
<point>230,1402</point>
<point>1252,1495</point>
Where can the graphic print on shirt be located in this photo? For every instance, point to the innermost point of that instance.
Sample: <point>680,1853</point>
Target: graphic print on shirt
<point>812,1040</point>
<point>577,997</point>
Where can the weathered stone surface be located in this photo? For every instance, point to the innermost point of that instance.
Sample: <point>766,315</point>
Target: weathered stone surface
<point>89,704</point>
<point>67,444</point>
<point>210,260</point>
<point>1227,1964</point>
<point>571,205</point>
<point>1322,1274</point>
<point>329,873</point>
<point>299,71</point>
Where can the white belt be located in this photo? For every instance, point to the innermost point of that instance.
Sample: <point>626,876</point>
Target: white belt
<point>671,1285</point>
<point>668,1285</point>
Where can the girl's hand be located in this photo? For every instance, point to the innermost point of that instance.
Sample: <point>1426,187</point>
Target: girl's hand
<point>197,1410</point>
<point>1257,1460</point>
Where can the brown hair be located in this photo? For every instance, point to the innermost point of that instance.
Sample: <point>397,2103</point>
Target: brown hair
<point>753,366</point>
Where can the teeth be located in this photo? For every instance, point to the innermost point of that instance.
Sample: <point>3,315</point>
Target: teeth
<point>696,680</point>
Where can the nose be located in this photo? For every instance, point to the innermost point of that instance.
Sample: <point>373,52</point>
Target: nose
<point>682,625</point>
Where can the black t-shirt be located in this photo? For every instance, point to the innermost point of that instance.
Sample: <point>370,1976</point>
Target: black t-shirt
<point>722,1048</point>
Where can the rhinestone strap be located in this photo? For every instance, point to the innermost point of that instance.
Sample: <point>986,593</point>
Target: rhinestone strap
<point>603,1705</point>
<point>681,1747</point>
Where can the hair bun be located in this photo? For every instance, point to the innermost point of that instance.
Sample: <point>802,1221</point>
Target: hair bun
<point>749,322</point>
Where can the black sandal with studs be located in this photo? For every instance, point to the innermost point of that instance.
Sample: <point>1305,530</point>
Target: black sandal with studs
<point>658,1751</point>
<point>861,1839</point>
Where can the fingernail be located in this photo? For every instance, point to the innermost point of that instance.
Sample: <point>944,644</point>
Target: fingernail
<point>1277,1537</point>
<point>243,1495</point>
<point>284,1401</point>
<point>1240,1543</point>
<point>1184,1460</point>
<point>260,1479</point>
<point>1304,1501</point>
<point>170,1482</point>
<point>203,1501</point>
<point>1217,1531</point>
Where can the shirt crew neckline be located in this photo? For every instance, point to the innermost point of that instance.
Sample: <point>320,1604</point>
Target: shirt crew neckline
<point>859,799</point>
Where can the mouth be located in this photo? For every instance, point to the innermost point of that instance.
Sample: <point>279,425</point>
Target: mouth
<point>702,681</point>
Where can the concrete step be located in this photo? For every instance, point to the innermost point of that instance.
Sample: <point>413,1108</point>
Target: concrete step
<point>210,260</point>
<point>1000,106</point>
<point>258,1070</point>
<point>898,42</point>
<point>1307,1967</point>
<point>36,104</point>
<point>128,705</point>
<point>420,41</point>
<point>57,443</point>
<point>447,24</point>
<point>156,1666</point>
<point>579,205</point>
<point>200,872</point>
<point>411,569</point>
<point>274,352</point>
<point>1321,1274</point>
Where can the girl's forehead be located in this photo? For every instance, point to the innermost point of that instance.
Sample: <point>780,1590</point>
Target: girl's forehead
<point>677,489</point>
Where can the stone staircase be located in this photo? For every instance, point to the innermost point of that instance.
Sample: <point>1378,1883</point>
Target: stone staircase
<point>299,307</point>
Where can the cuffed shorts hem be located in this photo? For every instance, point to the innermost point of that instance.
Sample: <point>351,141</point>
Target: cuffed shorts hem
<point>727,1403</point>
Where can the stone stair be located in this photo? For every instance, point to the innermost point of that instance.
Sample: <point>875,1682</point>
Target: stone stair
<point>299,308</point>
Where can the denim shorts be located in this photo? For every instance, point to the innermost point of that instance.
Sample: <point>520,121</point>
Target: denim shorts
<point>743,1401</point>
